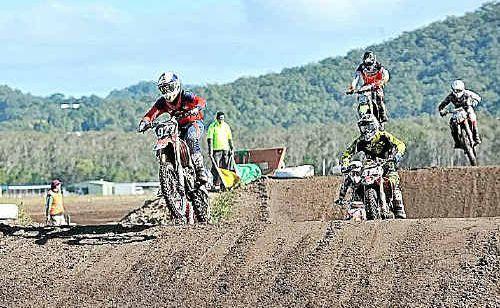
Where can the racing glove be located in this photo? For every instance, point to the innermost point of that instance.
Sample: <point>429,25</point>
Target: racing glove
<point>143,126</point>
<point>397,158</point>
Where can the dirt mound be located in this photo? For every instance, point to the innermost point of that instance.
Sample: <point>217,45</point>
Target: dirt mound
<point>428,193</point>
<point>152,212</point>
<point>452,192</point>
<point>271,253</point>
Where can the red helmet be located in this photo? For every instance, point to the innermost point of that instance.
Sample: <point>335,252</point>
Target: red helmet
<point>55,183</point>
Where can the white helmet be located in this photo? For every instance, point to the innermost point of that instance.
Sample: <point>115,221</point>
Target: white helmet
<point>458,88</point>
<point>368,127</point>
<point>169,85</point>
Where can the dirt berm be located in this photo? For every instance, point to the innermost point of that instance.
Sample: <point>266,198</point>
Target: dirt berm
<point>281,248</point>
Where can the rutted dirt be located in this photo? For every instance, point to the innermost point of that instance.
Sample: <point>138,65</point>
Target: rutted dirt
<point>279,249</point>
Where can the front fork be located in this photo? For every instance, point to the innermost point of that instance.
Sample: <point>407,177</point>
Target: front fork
<point>384,205</point>
<point>383,199</point>
<point>468,131</point>
<point>162,156</point>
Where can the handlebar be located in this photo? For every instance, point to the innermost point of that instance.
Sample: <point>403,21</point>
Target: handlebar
<point>156,123</point>
<point>446,111</point>
<point>363,89</point>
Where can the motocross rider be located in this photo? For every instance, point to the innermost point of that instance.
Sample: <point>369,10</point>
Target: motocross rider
<point>374,74</point>
<point>379,144</point>
<point>461,97</point>
<point>187,107</point>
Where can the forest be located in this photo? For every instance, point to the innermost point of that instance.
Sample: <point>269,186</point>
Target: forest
<point>303,108</point>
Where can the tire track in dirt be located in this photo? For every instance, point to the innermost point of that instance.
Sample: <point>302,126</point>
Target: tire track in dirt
<point>279,249</point>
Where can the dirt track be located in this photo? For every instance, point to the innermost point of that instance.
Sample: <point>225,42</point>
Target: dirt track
<point>280,248</point>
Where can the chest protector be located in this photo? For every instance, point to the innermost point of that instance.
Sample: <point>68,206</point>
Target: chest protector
<point>372,78</point>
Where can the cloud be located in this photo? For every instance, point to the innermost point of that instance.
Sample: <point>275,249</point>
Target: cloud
<point>63,21</point>
<point>319,14</point>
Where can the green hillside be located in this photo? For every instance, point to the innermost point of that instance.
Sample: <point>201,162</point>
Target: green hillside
<point>303,108</point>
<point>35,157</point>
<point>422,64</point>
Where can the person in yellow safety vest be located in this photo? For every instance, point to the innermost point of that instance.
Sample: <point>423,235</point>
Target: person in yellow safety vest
<point>54,207</point>
<point>220,146</point>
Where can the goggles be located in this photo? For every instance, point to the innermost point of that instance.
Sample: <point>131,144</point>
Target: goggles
<point>166,88</point>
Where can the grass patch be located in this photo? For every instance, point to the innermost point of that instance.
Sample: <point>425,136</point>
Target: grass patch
<point>23,217</point>
<point>222,206</point>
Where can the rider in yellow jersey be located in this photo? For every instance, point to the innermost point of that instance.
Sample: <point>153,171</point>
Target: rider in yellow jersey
<point>379,144</point>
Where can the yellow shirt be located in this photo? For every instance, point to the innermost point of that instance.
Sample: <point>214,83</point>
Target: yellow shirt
<point>220,133</point>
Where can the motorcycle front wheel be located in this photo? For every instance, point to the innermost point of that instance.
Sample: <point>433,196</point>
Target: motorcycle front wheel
<point>170,188</point>
<point>371,204</point>
<point>468,146</point>
<point>201,204</point>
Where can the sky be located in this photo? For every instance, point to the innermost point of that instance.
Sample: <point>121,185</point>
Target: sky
<point>84,47</point>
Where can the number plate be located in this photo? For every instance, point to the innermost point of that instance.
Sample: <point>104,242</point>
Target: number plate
<point>160,144</point>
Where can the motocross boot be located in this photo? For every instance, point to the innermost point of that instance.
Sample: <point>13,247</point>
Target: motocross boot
<point>199,167</point>
<point>454,134</point>
<point>397,203</point>
<point>382,112</point>
<point>475,135</point>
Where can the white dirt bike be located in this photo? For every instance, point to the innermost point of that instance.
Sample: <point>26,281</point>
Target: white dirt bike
<point>372,192</point>
<point>461,123</point>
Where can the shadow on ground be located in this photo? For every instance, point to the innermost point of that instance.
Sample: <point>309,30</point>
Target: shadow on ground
<point>81,235</point>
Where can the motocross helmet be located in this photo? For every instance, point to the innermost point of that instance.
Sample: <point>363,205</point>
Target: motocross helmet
<point>220,116</point>
<point>169,85</point>
<point>368,127</point>
<point>369,58</point>
<point>458,88</point>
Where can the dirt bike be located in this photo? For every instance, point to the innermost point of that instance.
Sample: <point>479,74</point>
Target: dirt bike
<point>366,101</point>
<point>372,192</point>
<point>354,206</point>
<point>461,123</point>
<point>184,197</point>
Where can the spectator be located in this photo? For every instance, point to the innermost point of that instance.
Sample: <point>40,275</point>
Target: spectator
<point>220,146</point>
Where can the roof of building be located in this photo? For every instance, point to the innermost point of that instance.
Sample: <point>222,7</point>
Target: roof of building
<point>27,187</point>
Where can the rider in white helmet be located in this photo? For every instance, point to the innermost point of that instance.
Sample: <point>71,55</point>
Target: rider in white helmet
<point>461,97</point>
<point>187,107</point>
